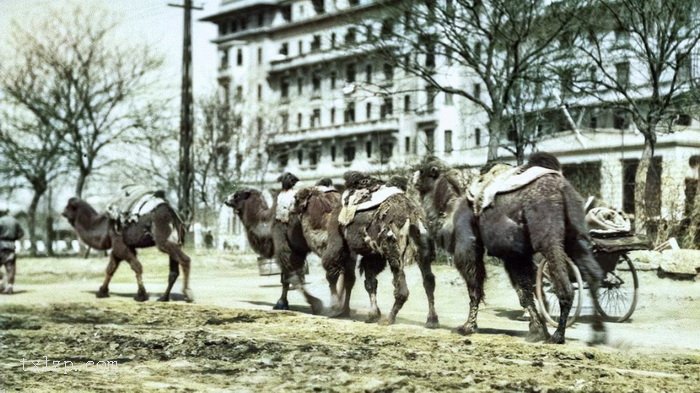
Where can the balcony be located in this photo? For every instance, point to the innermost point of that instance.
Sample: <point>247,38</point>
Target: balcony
<point>319,56</point>
<point>338,131</point>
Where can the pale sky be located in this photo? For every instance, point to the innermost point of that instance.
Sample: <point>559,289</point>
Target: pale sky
<point>152,21</point>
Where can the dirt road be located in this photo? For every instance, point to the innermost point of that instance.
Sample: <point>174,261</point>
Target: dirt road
<point>55,336</point>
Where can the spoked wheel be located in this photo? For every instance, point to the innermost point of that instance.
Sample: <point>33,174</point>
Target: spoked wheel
<point>617,296</point>
<point>547,299</point>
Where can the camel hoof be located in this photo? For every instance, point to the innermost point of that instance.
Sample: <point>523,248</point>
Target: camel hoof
<point>8,291</point>
<point>432,322</point>
<point>189,295</point>
<point>465,330</point>
<point>598,338</point>
<point>281,305</point>
<point>556,338</point>
<point>388,321</point>
<point>141,297</point>
<point>339,313</point>
<point>164,298</point>
<point>373,317</point>
<point>102,294</point>
<point>316,306</point>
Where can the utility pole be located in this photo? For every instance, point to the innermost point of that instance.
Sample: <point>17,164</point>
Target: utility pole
<point>185,190</point>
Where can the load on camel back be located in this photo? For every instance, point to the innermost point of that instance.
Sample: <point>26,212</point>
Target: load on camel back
<point>133,202</point>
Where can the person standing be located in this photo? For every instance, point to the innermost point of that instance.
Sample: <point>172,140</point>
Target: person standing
<point>10,231</point>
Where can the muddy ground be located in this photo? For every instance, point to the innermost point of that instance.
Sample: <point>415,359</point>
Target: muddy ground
<point>55,336</point>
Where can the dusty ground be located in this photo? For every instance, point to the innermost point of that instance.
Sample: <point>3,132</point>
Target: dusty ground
<point>228,340</point>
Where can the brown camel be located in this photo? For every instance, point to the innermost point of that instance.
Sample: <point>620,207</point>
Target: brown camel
<point>154,228</point>
<point>392,233</point>
<point>268,237</point>
<point>545,216</point>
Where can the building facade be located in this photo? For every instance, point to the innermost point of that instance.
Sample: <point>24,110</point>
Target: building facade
<point>316,99</point>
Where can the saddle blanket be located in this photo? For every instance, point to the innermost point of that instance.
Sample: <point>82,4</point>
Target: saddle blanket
<point>134,202</point>
<point>362,199</point>
<point>285,204</point>
<point>502,179</point>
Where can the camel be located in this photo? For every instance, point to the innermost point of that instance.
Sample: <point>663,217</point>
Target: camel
<point>390,234</point>
<point>154,228</point>
<point>544,216</point>
<point>269,237</point>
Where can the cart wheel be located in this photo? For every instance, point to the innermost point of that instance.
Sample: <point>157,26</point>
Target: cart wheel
<point>617,296</point>
<point>547,300</point>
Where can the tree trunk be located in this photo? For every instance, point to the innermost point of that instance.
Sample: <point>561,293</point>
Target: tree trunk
<point>640,188</point>
<point>31,220</point>
<point>82,177</point>
<point>495,132</point>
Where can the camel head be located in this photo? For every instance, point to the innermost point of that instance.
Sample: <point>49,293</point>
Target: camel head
<point>426,175</point>
<point>238,199</point>
<point>288,180</point>
<point>301,200</point>
<point>73,208</point>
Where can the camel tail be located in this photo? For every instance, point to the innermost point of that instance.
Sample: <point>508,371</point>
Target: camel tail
<point>575,216</point>
<point>179,226</point>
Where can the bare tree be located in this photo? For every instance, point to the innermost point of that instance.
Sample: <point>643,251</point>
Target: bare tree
<point>501,49</point>
<point>30,156</point>
<point>69,72</point>
<point>655,41</point>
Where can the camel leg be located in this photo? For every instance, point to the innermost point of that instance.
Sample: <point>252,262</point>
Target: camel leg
<point>400,293</point>
<point>580,252</point>
<point>424,263</point>
<point>469,261</point>
<point>283,303</point>
<point>372,265</point>
<point>348,280</point>
<point>522,274</point>
<point>141,295</point>
<point>297,281</point>
<point>557,262</point>
<point>172,276</point>
<point>112,266</point>
<point>332,262</point>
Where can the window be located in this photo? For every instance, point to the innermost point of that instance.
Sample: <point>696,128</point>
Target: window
<point>300,156</point>
<point>284,49</point>
<point>351,36</point>
<point>223,59</point>
<point>316,81</point>
<point>298,120</point>
<point>593,122</point>
<point>259,92</point>
<point>349,153</point>
<point>259,122</point>
<point>407,144</point>
<point>477,136</point>
<point>301,47</point>
<point>448,54</point>
<point>285,122</point>
<point>239,57</point>
<point>332,115</point>
<point>388,72</point>
<point>653,186</point>
<point>244,24</point>
<point>333,39</point>
<point>566,82</point>
<point>368,108</point>
<point>350,73</point>
<point>333,153</point>
<point>622,37</point>
<point>316,118</point>
<point>260,56</point>
<point>353,2</point>
<point>430,93</point>
<point>350,113</point>
<point>284,87</point>
<point>430,140</point>
<point>593,71</point>
<point>283,160</point>
<point>585,177</point>
<point>448,99</point>
<point>407,19</point>
<point>368,148</point>
<point>222,29</point>
<point>369,33</point>
<point>622,72</point>
<point>334,76</point>
<point>406,103</point>
<point>287,13</point>
<point>368,73</point>
<point>430,55</point>
<point>386,150</point>
<point>620,120</point>
<point>387,107</point>
<point>316,43</point>
<point>234,26</point>
<point>684,68</point>
<point>387,28</point>
<point>448,141</point>
<point>300,85</point>
<point>477,50</point>
<point>318,6</point>
<point>239,92</point>
<point>477,91</point>
<point>261,19</point>
<point>314,157</point>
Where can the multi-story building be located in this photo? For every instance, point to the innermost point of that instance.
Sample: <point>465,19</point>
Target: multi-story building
<point>317,99</point>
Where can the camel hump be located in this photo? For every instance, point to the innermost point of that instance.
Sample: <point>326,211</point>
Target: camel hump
<point>544,160</point>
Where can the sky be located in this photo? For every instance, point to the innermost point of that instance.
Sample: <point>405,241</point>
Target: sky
<point>152,21</point>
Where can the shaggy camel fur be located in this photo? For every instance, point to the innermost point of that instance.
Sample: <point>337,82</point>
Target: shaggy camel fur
<point>545,216</point>
<point>152,229</point>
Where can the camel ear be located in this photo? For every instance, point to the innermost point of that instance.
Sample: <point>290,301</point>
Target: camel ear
<point>434,172</point>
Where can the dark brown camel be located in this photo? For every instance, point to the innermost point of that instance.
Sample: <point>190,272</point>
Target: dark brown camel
<point>152,229</point>
<point>316,209</point>
<point>544,216</point>
<point>392,233</point>
<point>268,238</point>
